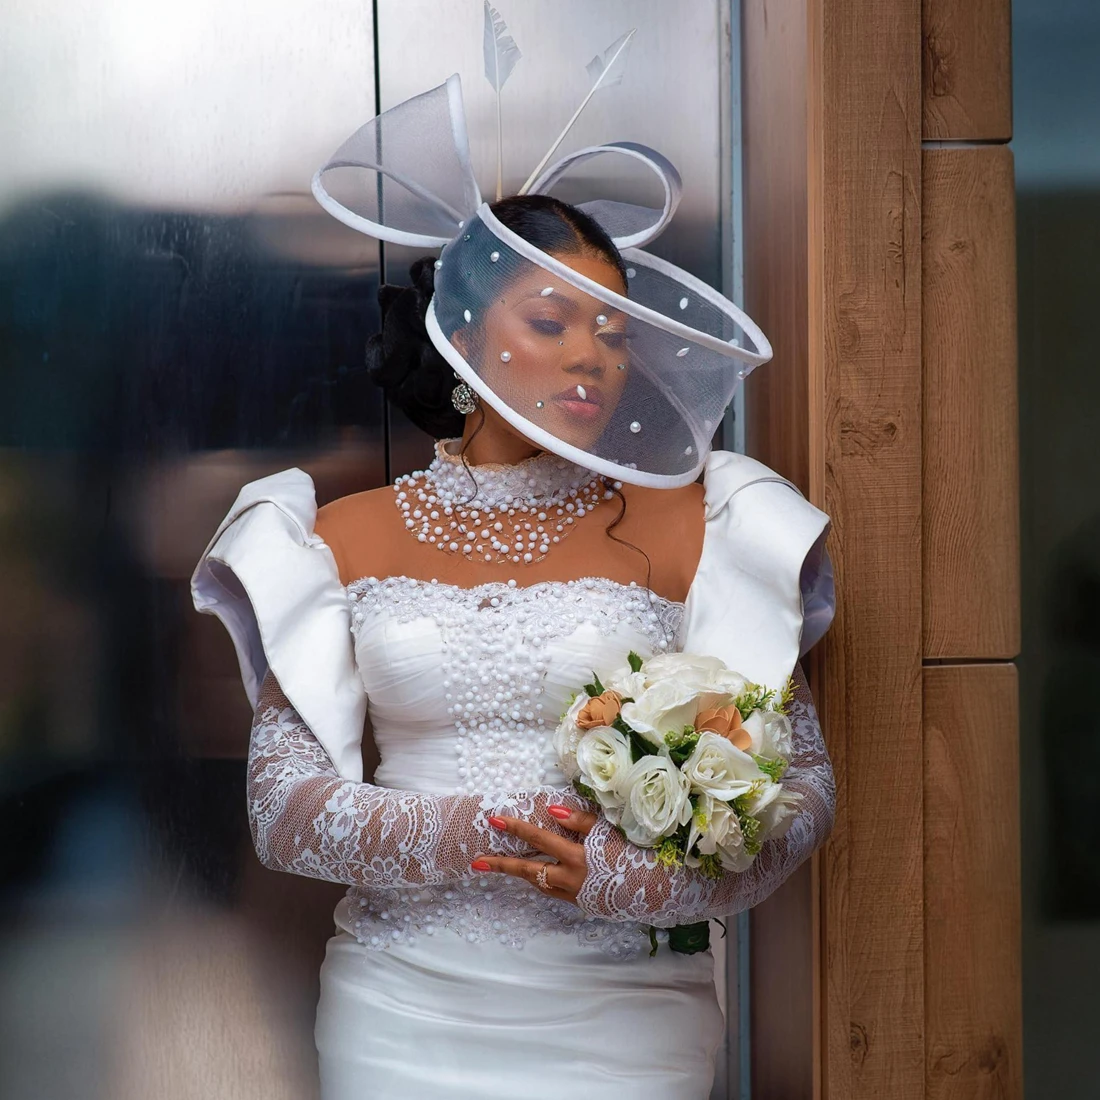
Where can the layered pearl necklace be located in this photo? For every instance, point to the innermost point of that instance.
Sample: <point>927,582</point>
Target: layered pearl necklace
<point>514,514</point>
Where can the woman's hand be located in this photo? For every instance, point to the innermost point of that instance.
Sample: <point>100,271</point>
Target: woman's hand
<point>562,879</point>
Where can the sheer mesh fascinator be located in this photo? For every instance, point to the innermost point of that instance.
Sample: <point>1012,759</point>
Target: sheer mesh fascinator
<point>631,385</point>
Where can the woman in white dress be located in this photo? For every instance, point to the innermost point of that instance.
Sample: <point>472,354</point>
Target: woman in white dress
<point>461,607</point>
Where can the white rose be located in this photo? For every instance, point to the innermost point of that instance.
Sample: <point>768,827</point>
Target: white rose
<point>628,684</point>
<point>754,727</point>
<point>720,836</point>
<point>656,800</point>
<point>769,733</point>
<point>719,768</point>
<point>666,707</point>
<point>778,735</point>
<point>778,813</point>
<point>685,665</point>
<point>568,736</point>
<point>604,757</point>
<point>713,683</point>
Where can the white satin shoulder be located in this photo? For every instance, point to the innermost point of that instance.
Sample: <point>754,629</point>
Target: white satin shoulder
<point>276,588</point>
<point>761,597</point>
<point>763,591</point>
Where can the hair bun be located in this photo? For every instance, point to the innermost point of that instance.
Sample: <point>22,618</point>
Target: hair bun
<point>403,361</point>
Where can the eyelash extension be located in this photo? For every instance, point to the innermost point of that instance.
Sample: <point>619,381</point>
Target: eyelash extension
<point>621,339</point>
<point>547,327</point>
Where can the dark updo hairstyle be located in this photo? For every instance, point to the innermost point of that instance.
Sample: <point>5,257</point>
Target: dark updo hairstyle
<point>402,359</point>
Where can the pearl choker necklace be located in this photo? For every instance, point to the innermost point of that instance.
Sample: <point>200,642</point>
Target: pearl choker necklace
<point>515,513</point>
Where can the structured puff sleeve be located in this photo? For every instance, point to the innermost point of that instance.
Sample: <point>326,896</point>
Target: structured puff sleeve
<point>275,586</point>
<point>763,591</point>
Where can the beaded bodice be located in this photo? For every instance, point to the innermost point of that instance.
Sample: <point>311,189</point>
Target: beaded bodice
<point>465,688</point>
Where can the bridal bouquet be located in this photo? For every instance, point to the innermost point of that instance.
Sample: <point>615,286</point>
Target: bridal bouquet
<point>685,756</point>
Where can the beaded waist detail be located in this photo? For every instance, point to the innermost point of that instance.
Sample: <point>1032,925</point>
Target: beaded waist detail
<point>481,910</point>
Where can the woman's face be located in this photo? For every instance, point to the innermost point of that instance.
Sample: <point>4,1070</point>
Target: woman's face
<point>557,355</point>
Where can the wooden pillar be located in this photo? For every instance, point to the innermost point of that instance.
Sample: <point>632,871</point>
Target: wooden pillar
<point>865,430</point>
<point>880,259</point>
<point>970,539</point>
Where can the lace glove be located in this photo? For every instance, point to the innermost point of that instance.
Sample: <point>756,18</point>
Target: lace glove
<point>307,820</point>
<point>625,882</point>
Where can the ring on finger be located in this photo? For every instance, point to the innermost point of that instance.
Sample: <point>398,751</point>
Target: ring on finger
<point>540,878</point>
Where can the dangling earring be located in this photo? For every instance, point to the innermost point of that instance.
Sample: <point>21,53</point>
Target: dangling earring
<point>463,398</point>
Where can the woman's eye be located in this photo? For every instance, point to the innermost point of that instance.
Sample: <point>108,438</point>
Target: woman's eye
<point>614,339</point>
<point>547,326</point>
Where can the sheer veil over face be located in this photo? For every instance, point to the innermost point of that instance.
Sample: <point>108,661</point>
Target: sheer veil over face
<point>406,177</point>
<point>560,347</point>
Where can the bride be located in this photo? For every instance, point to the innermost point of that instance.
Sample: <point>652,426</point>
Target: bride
<point>495,940</point>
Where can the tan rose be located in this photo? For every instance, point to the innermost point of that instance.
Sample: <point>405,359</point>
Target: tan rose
<point>726,722</point>
<point>600,710</point>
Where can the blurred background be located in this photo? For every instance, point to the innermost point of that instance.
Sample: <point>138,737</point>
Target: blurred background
<point>177,318</point>
<point>1056,86</point>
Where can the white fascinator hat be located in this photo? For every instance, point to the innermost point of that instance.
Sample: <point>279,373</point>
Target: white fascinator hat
<point>647,373</point>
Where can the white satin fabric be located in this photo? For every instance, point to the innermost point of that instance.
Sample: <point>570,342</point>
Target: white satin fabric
<point>444,1018</point>
<point>276,588</point>
<point>534,1008</point>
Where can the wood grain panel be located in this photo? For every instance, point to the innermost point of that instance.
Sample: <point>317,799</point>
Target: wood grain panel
<point>865,370</point>
<point>783,934</point>
<point>967,70</point>
<point>972,883</point>
<point>970,527</point>
<point>774,37</point>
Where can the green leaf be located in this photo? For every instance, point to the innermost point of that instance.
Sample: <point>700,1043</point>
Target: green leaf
<point>785,696</point>
<point>711,866</point>
<point>584,790</point>
<point>687,939</point>
<point>635,661</point>
<point>754,697</point>
<point>682,745</point>
<point>773,769</point>
<point>639,746</point>
<point>670,853</point>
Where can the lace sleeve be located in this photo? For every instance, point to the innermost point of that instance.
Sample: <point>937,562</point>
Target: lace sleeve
<point>307,820</point>
<point>625,882</point>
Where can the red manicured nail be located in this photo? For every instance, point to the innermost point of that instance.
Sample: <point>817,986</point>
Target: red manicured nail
<point>480,865</point>
<point>560,812</point>
<point>498,823</point>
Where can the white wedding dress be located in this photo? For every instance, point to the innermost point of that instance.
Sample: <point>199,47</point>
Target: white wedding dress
<point>441,982</point>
